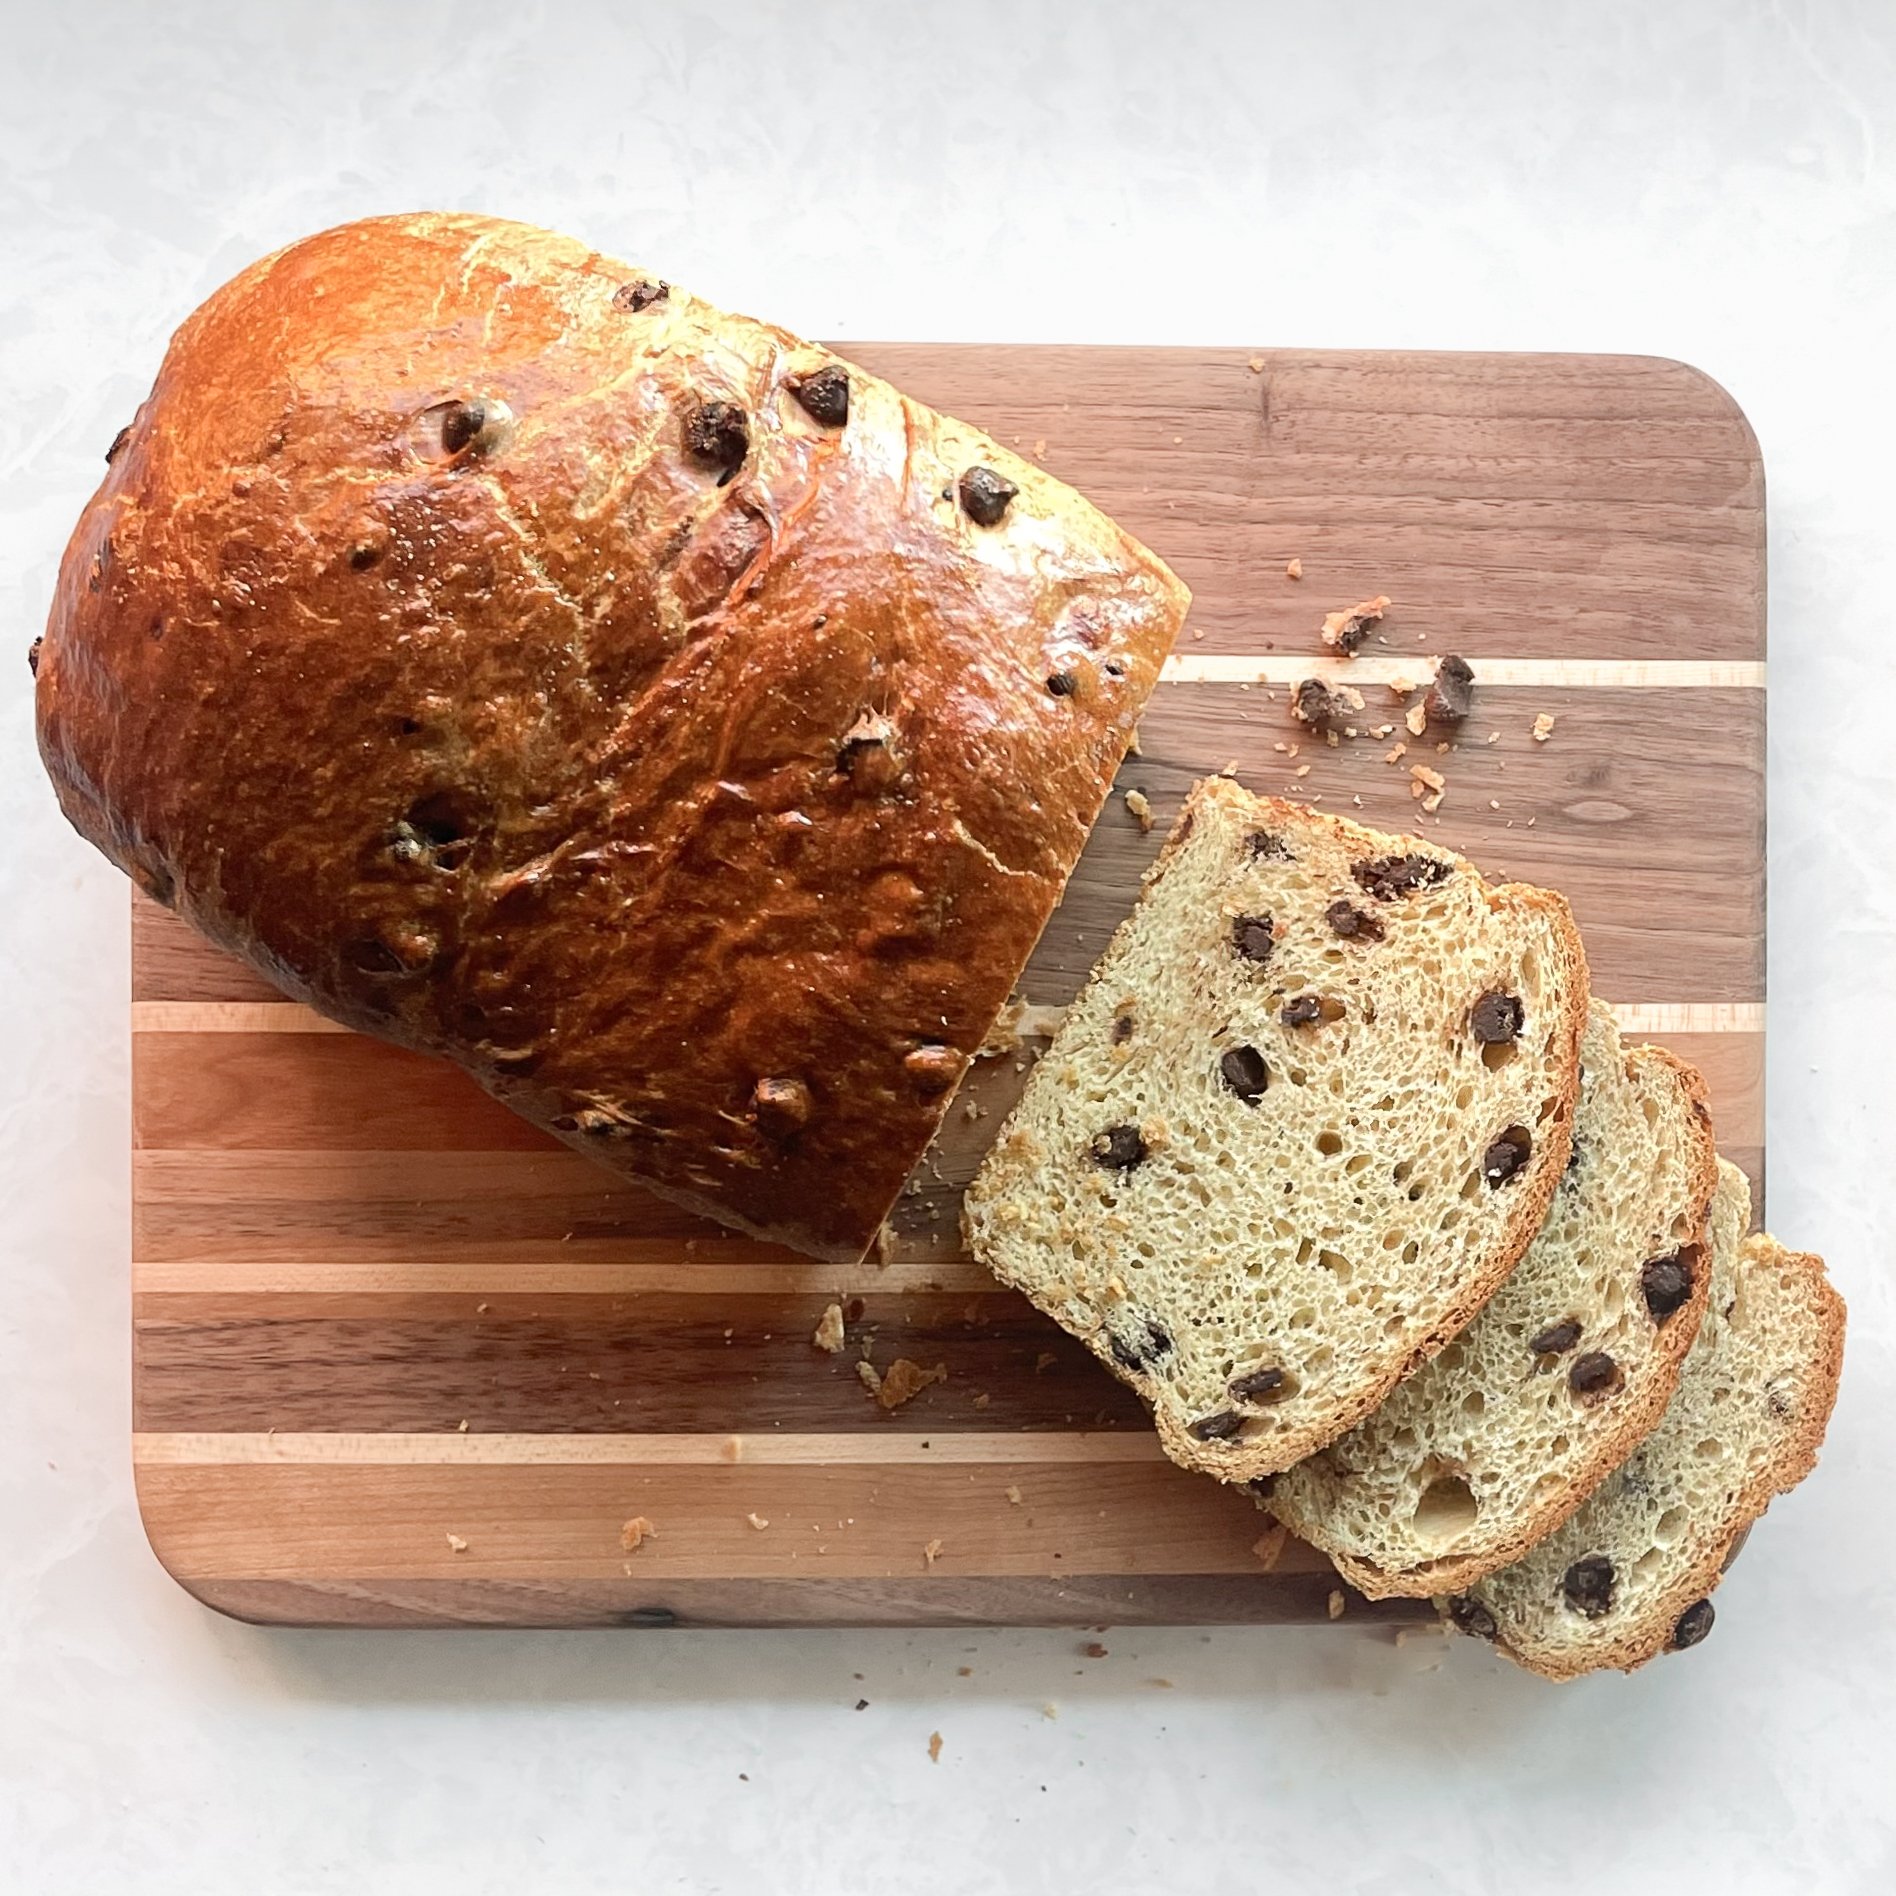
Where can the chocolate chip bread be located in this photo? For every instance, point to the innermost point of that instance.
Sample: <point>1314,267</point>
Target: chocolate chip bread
<point>515,656</point>
<point>1489,1446</point>
<point>1631,1574</point>
<point>1304,1118</point>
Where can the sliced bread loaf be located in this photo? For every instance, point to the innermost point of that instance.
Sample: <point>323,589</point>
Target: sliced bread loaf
<point>1629,1575</point>
<point>1489,1446</point>
<point>1304,1118</point>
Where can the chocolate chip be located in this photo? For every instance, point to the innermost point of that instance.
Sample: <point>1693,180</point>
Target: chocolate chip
<point>1245,1073</point>
<point>1315,704</point>
<point>1263,1486</point>
<point>1507,1155</point>
<point>1265,846</point>
<point>1253,937</point>
<point>867,755</point>
<point>1063,684</point>
<point>1667,1282</point>
<point>984,496</point>
<point>718,435</point>
<point>1557,1339</point>
<point>640,295</point>
<point>1353,629</point>
<point>118,444</point>
<point>460,423</point>
<point>1588,1586</point>
<point>362,557</point>
<point>1260,1385</point>
<point>1122,1029</point>
<point>824,394</point>
<point>1139,1352</point>
<point>1353,924</point>
<point>33,655</point>
<point>782,1106</point>
<point>1471,1617</point>
<point>374,957</point>
<point>1594,1374</point>
<point>1453,694</point>
<point>1302,1011</point>
<point>933,1068</point>
<point>1221,1427</point>
<point>1692,1625</point>
<point>1497,1018</point>
<point>1390,877</point>
<point>1119,1148</point>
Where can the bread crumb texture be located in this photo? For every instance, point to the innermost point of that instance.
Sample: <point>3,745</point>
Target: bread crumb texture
<point>635,1533</point>
<point>1304,1167</point>
<point>829,1330</point>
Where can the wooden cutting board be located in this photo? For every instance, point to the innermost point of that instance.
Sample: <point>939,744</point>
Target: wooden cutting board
<point>401,1360</point>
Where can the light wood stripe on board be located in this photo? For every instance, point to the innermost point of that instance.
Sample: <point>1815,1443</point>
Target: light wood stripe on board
<point>1037,1022</point>
<point>1544,674</point>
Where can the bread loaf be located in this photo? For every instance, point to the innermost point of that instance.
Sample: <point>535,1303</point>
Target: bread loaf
<point>516,657</point>
<point>1306,1114</point>
<point>1492,1444</point>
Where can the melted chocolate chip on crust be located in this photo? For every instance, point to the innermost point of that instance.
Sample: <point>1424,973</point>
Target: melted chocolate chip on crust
<point>824,395</point>
<point>717,435</point>
<point>1693,1624</point>
<point>985,496</point>
<point>640,295</point>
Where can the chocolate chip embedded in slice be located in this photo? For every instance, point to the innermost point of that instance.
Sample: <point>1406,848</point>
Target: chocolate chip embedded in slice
<point>1556,1340</point>
<point>1122,1028</point>
<point>1244,1071</point>
<point>1388,878</point>
<point>1507,1155</point>
<point>1253,937</point>
<point>1471,1617</point>
<point>1693,1624</point>
<point>640,295</point>
<point>1303,1011</point>
<point>460,423</point>
<point>1139,1351</point>
<point>823,394</point>
<point>1119,1148</point>
<point>1349,923</point>
<point>1594,1374</point>
<point>985,495</point>
<point>1269,1384</point>
<point>1063,684</point>
<point>1667,1282</point>
<point>782,1105</point>
<point>1452,696</point>
<point>1497,1019</point>
<point>1222,1427</point>
<point>118,444</point>
<point>1588,1586</point>
<point>717,435</point>
<point>1264,846</point>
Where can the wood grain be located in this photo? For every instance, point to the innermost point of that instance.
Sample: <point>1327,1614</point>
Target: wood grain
<point>373,1310</point>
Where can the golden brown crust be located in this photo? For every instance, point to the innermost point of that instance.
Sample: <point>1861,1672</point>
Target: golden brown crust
<point>697,776</point>
<point>1229,1460</point>
<point>1795,1458</point>
<point>1638,1417</point>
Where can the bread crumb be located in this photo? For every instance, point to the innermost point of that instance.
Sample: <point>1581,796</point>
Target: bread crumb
<point>480,1310</point>
<point>1334,1605</point>
<point>1396,755</point>
<point>1302,770</point>
<point>635,1533</point>
<point>1269,1546</point>
<point>829,1331</point>
<point>1417,718</point>
<point>1198,632</point>
<point>903,1381</point>
<point>871,1377</point>
<point>757,1521</point>
<point>1013,1494</point>
<point>1137,803</point>
<point>1257,365</point>
<point>456,1544</point>
<point>885,1245</point>
<point>932,1552</point>
<point>1093,1650</point>
<point>964,1672</point>
<point>1543,728</point>
<point>1164,1685</point>
<point>1045,1360</point>
<point>1132,744</point>
<point>982,1400</point>
<point>1346,631</point>
<point>1050,1710</point>
<point>1494,737</point>
<point>1294,569</point>
<point>1493,804</point>
<point>460,1428</point>
<point>733,1449</point>
<point>1424,776</point>
<point>1230,769</point>
<point>1040,450</point>
<point>934,1747</point>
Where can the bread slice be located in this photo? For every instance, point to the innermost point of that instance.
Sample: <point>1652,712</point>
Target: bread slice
<point>1306,1115</point>
<point>1629,1575</point>
<point>1492,1444</point>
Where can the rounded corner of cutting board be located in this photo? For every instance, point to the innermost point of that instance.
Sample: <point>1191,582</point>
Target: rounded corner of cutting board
<point>205,1590</point>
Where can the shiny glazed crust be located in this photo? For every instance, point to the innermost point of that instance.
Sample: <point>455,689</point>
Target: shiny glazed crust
<point>524,661</point>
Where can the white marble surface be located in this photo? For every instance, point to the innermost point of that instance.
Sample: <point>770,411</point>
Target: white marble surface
<point>1710,179</point>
